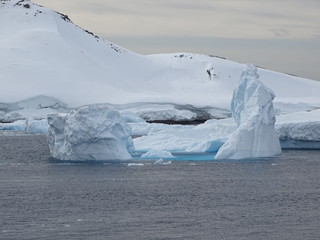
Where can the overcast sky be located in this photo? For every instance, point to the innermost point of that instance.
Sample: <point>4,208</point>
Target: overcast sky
<point>282,35</point>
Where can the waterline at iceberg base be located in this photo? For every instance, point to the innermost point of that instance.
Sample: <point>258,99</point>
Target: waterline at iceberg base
<point>297,130</point>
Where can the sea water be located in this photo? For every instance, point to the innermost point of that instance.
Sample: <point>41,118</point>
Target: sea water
<point>275,198</point>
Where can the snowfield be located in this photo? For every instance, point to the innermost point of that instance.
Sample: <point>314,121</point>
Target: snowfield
<point>49,65</point>
<point>44,53</point>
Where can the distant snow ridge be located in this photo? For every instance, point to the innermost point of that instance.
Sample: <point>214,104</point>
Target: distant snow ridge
<point>89,133</point>
<point>253,111</point>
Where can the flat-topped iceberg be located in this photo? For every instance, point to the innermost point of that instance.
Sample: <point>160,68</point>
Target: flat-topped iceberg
<point>89,133</point>
<point>252,109</point>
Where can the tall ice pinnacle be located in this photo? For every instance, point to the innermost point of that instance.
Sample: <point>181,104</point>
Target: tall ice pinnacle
<point>252,109</point>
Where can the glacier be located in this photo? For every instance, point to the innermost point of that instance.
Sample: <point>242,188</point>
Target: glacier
<point>89,133</point>
<point>253,111</point>
<point>49,65</point>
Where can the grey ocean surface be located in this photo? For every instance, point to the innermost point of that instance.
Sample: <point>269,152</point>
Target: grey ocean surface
<point>277,198</point>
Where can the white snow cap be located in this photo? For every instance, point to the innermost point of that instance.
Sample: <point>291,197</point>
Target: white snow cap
<point>42,48</point>
<point>252,109</point>
<point>89,133</point>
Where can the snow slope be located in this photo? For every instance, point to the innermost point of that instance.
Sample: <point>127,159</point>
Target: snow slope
<point>44,53</point>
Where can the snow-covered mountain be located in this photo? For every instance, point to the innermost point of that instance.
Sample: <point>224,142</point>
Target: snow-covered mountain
<point>44,53</point>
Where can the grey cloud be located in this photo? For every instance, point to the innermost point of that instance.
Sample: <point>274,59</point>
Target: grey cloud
<point>280,32</point>
<point>103,8</point>
<point>199,6</point>
<point>317,35</point>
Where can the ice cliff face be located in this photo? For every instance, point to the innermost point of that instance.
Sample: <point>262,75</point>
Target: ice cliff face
<point>89,133</point>
<point>253,111</point>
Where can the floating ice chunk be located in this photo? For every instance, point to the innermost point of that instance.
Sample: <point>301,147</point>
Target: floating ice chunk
<point>300,128</point>
<point>135,164</point>
<point>36,126</point>
<point>162,162</point>
<point>19,125</point>
<point>29,126</point>
<point>152,153</point>
<point>253,111</point>
<point>207,137</point>
<point>89,133</point>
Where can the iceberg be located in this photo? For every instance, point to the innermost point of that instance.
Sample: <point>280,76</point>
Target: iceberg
<point>253,111</point>
<point>36,126</point>
<point>18,126</point>
<point>299,130</point>
<point>135,164</point>
<point>93,132</point>
<point>206,137</point>
<point>153,153</point>
<point>162,162</point>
